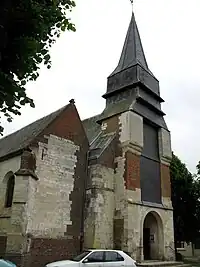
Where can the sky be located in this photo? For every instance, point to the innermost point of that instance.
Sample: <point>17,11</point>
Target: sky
<point>82,61</point>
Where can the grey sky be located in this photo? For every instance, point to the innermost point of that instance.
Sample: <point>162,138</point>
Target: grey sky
<point>82,61</point>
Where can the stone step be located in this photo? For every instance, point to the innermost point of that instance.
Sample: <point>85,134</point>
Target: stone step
<point>162,264</point>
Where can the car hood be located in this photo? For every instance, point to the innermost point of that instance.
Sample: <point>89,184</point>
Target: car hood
<point>62,263</point>
<point>4,263</point>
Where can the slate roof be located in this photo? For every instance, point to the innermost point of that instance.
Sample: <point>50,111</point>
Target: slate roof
<point>132,52</point>
<point>92,128</point>
<point>100,144</point>
<point>23,137</point>
<point>98,140</point>
<point>116,108</point>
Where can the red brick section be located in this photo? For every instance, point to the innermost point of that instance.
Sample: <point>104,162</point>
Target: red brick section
<point>44,251</point>
<point>165,181</point>
<point>69,126</point>
<point>132,171</point>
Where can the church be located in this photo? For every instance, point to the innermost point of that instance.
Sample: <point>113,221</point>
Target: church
<point>68,185</point>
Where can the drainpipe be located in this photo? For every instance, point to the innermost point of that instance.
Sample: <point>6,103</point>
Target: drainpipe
<point>83,203</point>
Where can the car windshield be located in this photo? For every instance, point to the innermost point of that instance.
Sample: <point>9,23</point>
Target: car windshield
<point>81,256</point>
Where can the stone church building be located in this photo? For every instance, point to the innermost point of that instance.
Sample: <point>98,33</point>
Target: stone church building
<point>68,185</point>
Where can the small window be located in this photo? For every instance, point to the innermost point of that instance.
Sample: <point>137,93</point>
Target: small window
<point>96,256</point>
<point>113,256</point>
<point>10,191</point>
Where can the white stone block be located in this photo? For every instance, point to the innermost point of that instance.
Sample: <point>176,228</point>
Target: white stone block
<point>131,128</point>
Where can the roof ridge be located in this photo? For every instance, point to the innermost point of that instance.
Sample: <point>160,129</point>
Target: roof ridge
<point>23,137</point>
<point>1,139</point>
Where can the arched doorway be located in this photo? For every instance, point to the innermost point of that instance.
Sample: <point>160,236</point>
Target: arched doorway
<point>153,243</point>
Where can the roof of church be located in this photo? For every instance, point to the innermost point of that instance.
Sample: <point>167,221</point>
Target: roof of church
<point>132,52</point>
<point>113,109</point>
<point>92,128</point>
<point>100,143</point>
<point>98,140</point>
<point>23,137</point>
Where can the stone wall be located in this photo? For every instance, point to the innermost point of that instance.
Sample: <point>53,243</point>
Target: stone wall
<point>56,163</point>
<point>100,208</point>
<point>47,210</point>
<point>7,168</point>
<point>165,225</point>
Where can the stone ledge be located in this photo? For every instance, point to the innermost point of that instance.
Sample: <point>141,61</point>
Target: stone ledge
<point>100,188</point>
<point>134,148</point>
<point>26,172</point>
<point>148,204</point>
<point>5,213</point>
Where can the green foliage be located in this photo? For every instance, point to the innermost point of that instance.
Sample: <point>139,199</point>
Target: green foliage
<point>185,200</point>
<point>28,28</point>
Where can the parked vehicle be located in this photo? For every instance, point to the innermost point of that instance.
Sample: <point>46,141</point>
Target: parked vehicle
<point>97,258</point>
<point>5,263</point>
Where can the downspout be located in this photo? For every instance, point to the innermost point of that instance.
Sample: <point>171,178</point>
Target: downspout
<point>83,204</point>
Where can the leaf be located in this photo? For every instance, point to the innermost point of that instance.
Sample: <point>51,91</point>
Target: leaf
<point>23,82</point>
<point>33,28</point>
<point>47,57</point>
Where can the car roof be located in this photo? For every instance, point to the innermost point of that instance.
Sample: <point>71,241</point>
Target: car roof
<point>114,250</point>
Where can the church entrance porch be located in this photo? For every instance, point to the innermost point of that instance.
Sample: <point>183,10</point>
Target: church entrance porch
<point>153,243</point>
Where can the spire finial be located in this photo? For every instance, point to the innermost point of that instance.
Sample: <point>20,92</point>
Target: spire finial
<point>132,4</point>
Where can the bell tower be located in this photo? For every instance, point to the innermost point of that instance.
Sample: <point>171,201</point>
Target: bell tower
<point>133,97</point>
<point>129,196</point>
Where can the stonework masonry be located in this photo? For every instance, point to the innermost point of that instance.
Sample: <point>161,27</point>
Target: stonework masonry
<point>78,184</point>
<point>128,209</point>
<point>100,209</point>
<point>6,213</point>
<point>51,205</point>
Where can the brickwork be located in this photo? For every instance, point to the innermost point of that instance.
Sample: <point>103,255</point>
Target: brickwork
<point>45,250</point>
<point>132,171</point>
<point>165,181</point>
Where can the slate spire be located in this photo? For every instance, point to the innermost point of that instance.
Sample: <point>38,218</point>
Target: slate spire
<point>132,52</point>
<point>132,68</point>
<point>132,86</point>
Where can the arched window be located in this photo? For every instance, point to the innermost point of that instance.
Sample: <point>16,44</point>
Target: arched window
<point>10,191</point>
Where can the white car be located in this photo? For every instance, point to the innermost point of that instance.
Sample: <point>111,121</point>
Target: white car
<point>97,258</point>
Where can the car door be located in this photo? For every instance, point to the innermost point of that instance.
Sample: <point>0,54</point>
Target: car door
<point>113,259</point>
<point>95,259</point>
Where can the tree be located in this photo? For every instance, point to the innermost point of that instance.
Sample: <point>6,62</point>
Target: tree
<point>28,28</point>
<point>185,200</point>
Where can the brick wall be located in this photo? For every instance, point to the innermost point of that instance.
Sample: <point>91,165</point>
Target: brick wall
<point>47,250</point>
<point>165,181</point>
<point>132,171</point>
